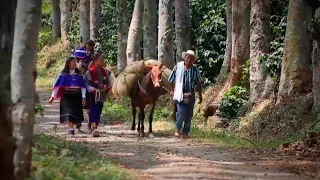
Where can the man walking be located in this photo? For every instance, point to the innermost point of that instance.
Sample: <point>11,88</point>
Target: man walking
<point>184,78</point>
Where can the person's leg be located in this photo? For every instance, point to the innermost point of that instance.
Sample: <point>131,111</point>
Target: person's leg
<point>189,115</point>
<point>70,128</point>
<point>95,113</point>
<point>180,116</point>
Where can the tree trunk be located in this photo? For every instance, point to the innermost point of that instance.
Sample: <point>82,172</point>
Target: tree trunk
<point>165,35</point>
<point>240,43</point>
<point>316,66</point>
<point>24,56</point>
<point>225,68</point>
<point>56,28</point>
<point>6,139</point>
<point>84,20</point>
<point>95,17</point>
<point>183,27</point>
<point>295,72</point>
<point>135,32</point>
<point>122,31</point>
<point>240,38</point>
<point>259,46</point>
<point>65,7</point>
<point>150,29</point>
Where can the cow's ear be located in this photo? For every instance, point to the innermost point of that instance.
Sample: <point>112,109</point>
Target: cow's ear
<point>148,66</point>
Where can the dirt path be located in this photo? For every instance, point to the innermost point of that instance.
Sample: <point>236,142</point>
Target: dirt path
<point>166,157</point>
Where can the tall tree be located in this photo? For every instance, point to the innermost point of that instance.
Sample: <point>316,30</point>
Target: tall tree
<point>240,43</point>
<point>135,33</point>
<point>225,68</point>
<point>122,31</point>
<point>165,35</point>
<point>295,72</point>
<point>6,140</point>
<point>65,7</point>
<point>259,46</point>
<point>183,27</point>
<point>149,30</point>
<point>95,18</point>
<point>314,30</point>
<point>84,20</point>
<point>56,27</point>
<point>24,55</point>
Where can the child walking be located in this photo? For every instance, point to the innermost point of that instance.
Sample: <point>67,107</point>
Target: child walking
<point>97,82</point>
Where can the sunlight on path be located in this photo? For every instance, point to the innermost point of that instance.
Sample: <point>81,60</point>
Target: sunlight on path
<point>163,157</point>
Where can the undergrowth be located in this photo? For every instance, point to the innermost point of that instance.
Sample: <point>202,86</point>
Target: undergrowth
<point>58,159</point>
<point>51,60</point>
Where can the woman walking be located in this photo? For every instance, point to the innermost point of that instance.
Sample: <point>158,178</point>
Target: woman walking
<point>71,88</point>
<point>84,55</point>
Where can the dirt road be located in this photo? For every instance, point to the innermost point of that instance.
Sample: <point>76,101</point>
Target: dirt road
<point>167,157</point>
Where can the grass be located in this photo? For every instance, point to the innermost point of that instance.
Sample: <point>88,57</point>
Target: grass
<point>51,60</point>
<point>57,159</point>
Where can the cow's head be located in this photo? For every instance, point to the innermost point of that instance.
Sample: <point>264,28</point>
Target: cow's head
<point>156,71</point>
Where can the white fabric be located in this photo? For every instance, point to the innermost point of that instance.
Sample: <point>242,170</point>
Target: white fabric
<point>178,90</point>
<point>54,92</point>
<point>83,92</point>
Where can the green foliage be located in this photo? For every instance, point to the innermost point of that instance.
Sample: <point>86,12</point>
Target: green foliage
<point>108,30</point>
<point>231,101</point>
<point>163,113</point>
<point>53,158</point>
<point>39,110</point>
<point>278,23</point>
<point>209,35</point>
<point>116,111</point>
<point>245,78</point>
<point>73,35</point>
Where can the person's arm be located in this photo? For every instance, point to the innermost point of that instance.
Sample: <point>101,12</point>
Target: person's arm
<point>199,84</point>
<point>54,92</point>
<point>172,79</point>
<point>108,79</point>
<point>83,92</point>
<point>86,78</point>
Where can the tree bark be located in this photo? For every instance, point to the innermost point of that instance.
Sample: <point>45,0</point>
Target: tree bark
<point>259,46</point>
<point>150,29</point>
<point>316,66</point>
<point>183,27</point>
<point>122,31</point>
<point>84,20</point>
<point>165,35</point>
<point>65,7</point>
<point>24,55</point>
<point>295,72</point>
<point>56,28</point>
<point>135,32</point>
<point>240,43</point>
<point>95,18</point>
<point>6,140</point>
<point>225,68</point>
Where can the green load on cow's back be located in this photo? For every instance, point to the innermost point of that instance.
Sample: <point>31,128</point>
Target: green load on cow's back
<point>126,79</point>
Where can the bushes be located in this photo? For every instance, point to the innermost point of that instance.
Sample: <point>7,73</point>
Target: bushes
<point>116,112</point>
<point>232,101</point>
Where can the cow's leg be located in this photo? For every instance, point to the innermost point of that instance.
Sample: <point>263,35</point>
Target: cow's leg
<point>134,112</point>
<point>150,120</point>
<point>141,122</point>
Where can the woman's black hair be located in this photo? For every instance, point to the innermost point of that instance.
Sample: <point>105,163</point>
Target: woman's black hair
<point>90,43</point>
<point>66,68</point>
<point>96,56</point>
